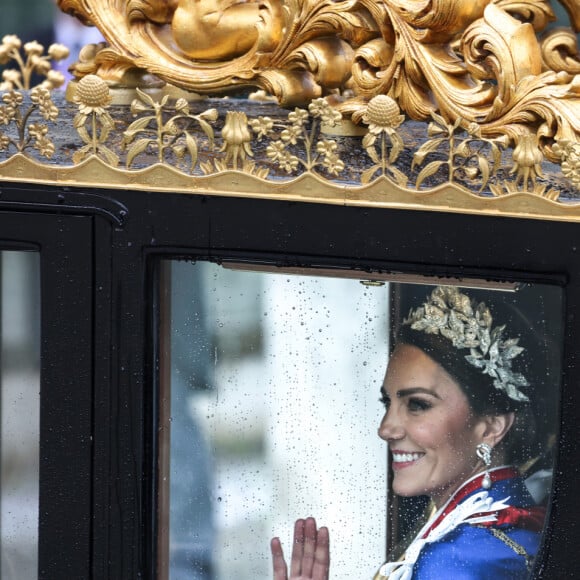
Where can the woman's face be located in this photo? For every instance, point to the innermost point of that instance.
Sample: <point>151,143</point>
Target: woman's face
<point>429,426</point>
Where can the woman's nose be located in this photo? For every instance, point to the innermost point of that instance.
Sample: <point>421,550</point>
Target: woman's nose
<point>390,428</point>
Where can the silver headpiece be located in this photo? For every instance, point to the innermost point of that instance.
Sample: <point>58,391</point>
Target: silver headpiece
<point>451,314</point>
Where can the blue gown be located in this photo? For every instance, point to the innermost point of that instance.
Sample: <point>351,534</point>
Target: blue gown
<point>473,552</point>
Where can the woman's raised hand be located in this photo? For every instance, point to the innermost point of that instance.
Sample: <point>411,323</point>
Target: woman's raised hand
<point>310,553</point>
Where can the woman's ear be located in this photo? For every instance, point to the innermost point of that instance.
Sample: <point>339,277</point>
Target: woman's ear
<point>495,427</point>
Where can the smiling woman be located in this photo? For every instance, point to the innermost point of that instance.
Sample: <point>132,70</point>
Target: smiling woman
<point>431,428</point>
<point>459,421</point>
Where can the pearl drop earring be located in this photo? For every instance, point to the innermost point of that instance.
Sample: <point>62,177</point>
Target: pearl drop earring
<point>483,451</point>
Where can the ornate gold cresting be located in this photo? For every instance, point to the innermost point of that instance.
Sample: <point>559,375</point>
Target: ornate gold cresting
<point>294,49</point>
<point>497,96</point>
<point>480,61</point>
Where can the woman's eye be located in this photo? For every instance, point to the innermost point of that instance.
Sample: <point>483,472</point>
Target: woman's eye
<point>385,401</point>
<point>418,405</point>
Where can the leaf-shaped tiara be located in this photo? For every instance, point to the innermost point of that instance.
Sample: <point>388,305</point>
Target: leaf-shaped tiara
<point>452,314</point>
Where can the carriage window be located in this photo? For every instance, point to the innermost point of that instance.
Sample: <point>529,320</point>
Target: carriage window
<point>19,414</point>
<point>269,412</point>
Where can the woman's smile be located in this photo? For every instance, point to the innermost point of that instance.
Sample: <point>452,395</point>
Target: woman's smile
<point>402,459</point>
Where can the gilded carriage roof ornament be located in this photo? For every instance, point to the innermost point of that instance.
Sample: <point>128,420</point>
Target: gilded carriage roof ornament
<point>476,102</point>
<point>478,60</point>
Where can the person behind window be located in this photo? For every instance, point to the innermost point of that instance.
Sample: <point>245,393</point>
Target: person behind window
<point>458,421</point>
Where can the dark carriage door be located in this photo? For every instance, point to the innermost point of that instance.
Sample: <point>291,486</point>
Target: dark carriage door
<point>45,395</point>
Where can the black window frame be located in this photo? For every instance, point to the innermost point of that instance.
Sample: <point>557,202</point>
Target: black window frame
<point>64,244</point>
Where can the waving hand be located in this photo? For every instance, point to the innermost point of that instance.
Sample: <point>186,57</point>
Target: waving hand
<point>310,553</point>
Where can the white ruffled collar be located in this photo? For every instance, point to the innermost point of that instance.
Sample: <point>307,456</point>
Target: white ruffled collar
<point>476,509</point>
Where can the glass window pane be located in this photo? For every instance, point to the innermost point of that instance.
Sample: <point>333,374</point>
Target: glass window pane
<point>19,414</point>
<point>274,387</point>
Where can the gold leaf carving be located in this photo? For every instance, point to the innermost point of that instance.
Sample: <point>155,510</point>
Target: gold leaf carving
<point>480,61</point>
<point>30,58</point>
<point>15,114</point>
<point>164,129</point>
<point>538,13</point>
<point>560,51</point>
<point>295,48</point>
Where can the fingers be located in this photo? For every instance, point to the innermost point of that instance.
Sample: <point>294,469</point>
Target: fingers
<point>310,551</point>
<point>322,555</point>
<point>297,549</point>
<point>310,537</point>
<point>280,568</point>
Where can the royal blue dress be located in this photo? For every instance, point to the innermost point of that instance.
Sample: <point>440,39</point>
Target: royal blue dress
<point>500,550</point>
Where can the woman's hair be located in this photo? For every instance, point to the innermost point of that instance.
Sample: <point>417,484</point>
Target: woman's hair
<point>450,328</point>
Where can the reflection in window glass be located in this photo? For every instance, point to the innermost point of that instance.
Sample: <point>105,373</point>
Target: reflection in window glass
<point>274,413</point>
<point>19,414</point>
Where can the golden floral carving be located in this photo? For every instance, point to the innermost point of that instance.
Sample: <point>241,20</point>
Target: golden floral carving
<point>527,167</point>
<point>383,116</point>
<point>569,154</point>
<point>30,58</point>
<point>509,101</point>
<point>302,131</point>
<point>169,133</point>
<point>527,160</point>
<point>93,97</point>
<point>244,162</point>
<point>237,137</point>
<point>465,157</point>
<point>480,61</point>
<point>154,131</point>
<point>28,134</point>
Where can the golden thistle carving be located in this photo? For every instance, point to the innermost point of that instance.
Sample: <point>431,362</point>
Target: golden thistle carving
<point>237,138</point>
<point>476,61</point>
<point>527,167</point>
<point>236,135</point>
<point>93,97</point>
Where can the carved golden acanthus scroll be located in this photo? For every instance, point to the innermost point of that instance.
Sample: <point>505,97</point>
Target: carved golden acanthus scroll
<point>488,62</point>
<point>295,50</point>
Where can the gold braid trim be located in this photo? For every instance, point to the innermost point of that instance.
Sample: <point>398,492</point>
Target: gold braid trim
<point>517,548</point>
